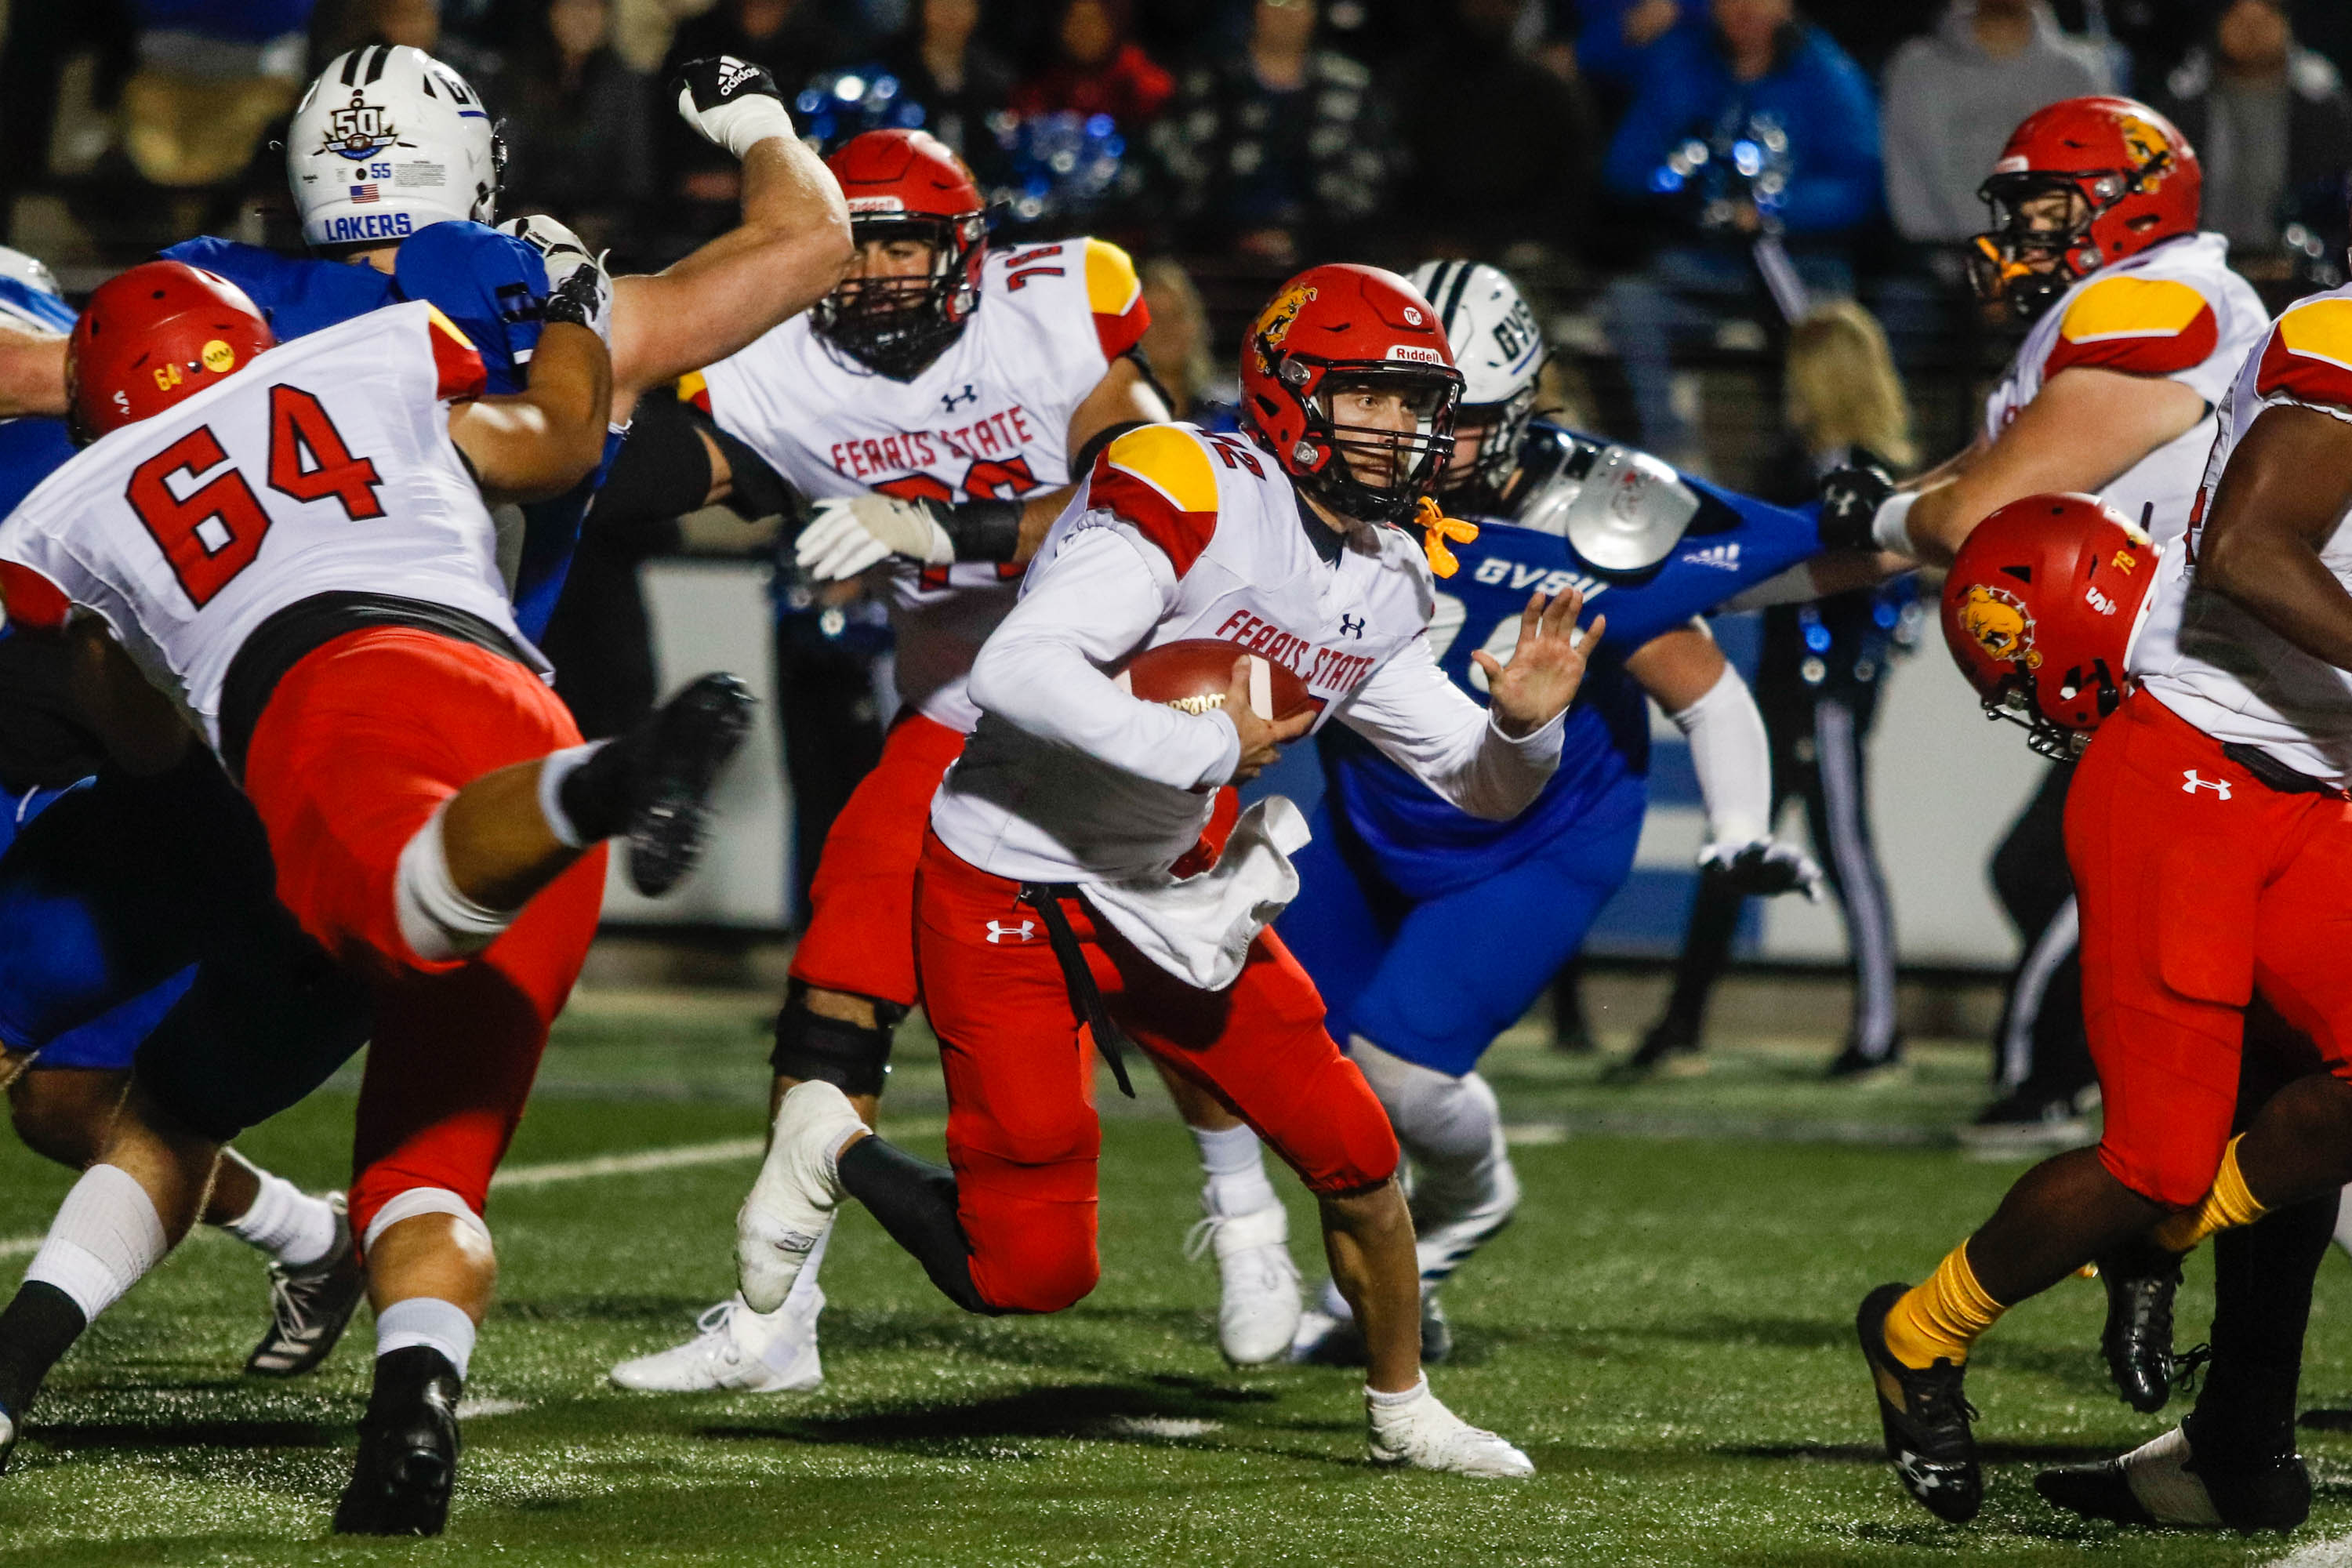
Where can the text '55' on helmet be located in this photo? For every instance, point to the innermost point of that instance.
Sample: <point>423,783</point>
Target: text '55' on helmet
<point>154,335</point>
<point>906,184</point>
<point>1345,328</point>
<point>1499,349</point>
<point>2130,179</point>
<point>2040,609</point>
<point>388,140</point>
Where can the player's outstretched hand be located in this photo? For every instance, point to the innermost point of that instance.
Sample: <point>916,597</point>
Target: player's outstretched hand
<point>1262,738</point>
<point>1763,869</point>
<point>846,534</point>
<point>574,273</point>
<point>1547,667</point>
<point>731,103</point>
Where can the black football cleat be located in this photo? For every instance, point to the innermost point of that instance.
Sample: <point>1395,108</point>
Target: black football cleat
<point>2141,1278</point>
<point>309,1307</point>
<point>408,1448</point>
<point>1924,1417</point>
<point>2162,1485</point>
<point>679,754</point>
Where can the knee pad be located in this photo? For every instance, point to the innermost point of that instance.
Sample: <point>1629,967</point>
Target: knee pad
<point>1442,1120</point>
<point>851,1057</point>
<point>439,922</point>
<point>408,1204</point>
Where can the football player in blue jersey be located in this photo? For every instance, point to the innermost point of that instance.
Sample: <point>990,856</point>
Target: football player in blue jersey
<point>77,895</point>
<point>1395,878</point>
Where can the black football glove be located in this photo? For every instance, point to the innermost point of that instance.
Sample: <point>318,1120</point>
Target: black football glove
<point>731,103</point>
<point>1851,498</point>
<point>1762,870</point>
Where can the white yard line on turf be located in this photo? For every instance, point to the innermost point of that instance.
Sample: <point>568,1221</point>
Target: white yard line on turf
<point>2335,1552</point>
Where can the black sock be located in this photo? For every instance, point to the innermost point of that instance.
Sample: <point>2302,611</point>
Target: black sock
<point>916,1202</point>
<point>2263,1276</point>
<point>36,1329</point>
<point>598,796</point>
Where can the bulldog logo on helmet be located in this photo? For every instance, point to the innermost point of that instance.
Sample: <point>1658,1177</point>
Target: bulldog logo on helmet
<point>1273,326</point>
<point>1998,623</point>
<point>2151,149</point>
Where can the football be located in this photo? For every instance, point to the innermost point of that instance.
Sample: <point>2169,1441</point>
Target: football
<point>1194,675</point>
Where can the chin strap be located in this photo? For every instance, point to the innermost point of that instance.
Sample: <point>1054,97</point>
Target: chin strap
<point>1439,532</point>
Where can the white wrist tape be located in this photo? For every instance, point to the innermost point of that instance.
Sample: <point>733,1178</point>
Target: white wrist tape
<point>740,125</point>
<point>1890,525</point>
<point>437,920</point>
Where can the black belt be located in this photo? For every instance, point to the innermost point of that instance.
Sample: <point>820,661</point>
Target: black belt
<point>1046,898</point>
<point>291,634</point>
<point>2276,774</point>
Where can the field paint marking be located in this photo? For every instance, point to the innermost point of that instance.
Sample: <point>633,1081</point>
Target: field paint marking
<point>554,1171</point>
<point>2335,1552</point>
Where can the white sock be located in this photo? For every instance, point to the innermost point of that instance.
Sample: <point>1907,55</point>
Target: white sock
<point>286,1222</point>
<point>427,1321</point>
<point>553,772</point>
<point>1235,1166</point>
<point>106,1236</point>
<point>1380,1401</point>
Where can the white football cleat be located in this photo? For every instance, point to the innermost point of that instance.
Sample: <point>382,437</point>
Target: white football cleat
<point>1421,1433</point>
<point>1258,1308</point>
<point>739,1350</point>
<point>791,1203</point>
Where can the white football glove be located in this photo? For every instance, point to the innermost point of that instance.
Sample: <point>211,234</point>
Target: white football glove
<point>572,272</point>
<point>1762,868</point>
<point>731,103</point>
<point>846,534</point>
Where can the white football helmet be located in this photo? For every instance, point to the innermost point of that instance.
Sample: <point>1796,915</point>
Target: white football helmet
<point>386,142</point>
<point>1499,348</point>
<point>29,293</point>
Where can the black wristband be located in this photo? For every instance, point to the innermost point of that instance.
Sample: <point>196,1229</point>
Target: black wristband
<point>982,529</point>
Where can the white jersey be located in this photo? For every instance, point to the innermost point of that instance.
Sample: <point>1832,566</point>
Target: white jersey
<point>2174,310</point>
<point>988,420</point>
<point>2202,656</point>
<point>325,465</point>
<point>1181,535</point>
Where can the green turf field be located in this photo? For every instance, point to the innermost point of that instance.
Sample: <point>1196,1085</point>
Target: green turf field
<point>1666,1330</point>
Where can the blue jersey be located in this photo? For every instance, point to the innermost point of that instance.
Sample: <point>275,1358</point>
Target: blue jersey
<point>1424,846</point>
<point>493,286</point>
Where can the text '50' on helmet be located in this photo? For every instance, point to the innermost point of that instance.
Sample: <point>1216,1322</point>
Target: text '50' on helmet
<point>2040,610</point>
<point>906,184</point>
<point>388,140</point>
<point>1499,349</point>
<point>151,336</point>
<point>1344,328</point>
<point>2129,178</point>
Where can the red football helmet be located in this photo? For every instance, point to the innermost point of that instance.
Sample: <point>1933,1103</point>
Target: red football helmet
<point>1344,328</point>
<point>906,184</point>
<point>2040,609</point>
<point>160,332</point>
<point>2130,178</point>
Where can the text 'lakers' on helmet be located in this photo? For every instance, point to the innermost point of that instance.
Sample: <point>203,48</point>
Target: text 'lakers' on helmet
<point>388,140</point>
<point>151,336</point>
<point>906,186</point>
<point>2082,183</point>
<point>1499,349</point>
<point>1342,328</point>
<point>2040,610</point>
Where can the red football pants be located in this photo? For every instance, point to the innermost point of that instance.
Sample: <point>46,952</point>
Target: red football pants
<point>2198,887</point>
<point>1021,1131</point>
<point>861,930</point>
<point>360,743</point>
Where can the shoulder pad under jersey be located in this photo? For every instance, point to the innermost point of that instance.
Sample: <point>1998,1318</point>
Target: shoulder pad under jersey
<point>1620,510</point>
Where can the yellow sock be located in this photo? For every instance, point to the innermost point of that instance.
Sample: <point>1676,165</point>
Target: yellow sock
<point>2226,1203</point>
<point>1943,1317</point>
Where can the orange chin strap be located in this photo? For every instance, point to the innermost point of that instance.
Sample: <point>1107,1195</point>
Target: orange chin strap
<point>1438,533</point>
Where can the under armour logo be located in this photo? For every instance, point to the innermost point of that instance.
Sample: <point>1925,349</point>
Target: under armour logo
<point>1025,931</point>
<point>2218,786</point>
<point>949,400</point>
<point>1352,626</point>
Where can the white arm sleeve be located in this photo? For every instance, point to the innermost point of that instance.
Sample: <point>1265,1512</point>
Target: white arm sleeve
<point>1733,759</point>
<point>1424,724</point>
<point>1097,601</point>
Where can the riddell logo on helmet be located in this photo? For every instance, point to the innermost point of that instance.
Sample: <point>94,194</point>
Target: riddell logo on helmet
<point>1414,354</point>
<point>1999,623</point>
<point>877,205</point>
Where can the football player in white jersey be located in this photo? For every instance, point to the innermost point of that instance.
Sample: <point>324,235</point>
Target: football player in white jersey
<point>933,408</point>
<point>326,606</point>
<point>2137,327</point>
<point>1067,894</point>
<point>2210,839</point>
